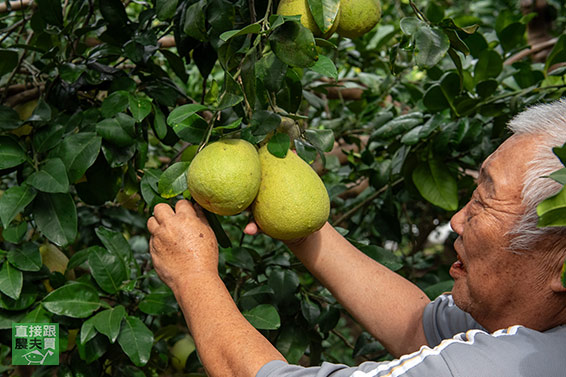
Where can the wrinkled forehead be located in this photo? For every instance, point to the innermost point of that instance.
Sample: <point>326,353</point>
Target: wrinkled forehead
<point>504,170</point>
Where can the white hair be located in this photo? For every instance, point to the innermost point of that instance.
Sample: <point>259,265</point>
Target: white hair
<point>548,121</point>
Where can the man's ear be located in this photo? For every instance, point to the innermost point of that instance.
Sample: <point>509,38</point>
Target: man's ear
<point>558,279</point>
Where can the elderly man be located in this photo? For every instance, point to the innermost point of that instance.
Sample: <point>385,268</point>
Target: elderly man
<point>506,313</point>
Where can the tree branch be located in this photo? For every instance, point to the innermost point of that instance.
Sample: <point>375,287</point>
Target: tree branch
<point>15,5</point>
<point>364,202</point>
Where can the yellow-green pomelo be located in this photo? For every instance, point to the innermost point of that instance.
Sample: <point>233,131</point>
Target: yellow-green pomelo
<point>292,201</point>
<point>301,7</point>
<point>357,17</point>
<point>224,177</point>
<point>181,351</point>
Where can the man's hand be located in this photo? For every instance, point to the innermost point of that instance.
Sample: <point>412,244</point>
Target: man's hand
<point>185,255</point>
<point>182,243</point>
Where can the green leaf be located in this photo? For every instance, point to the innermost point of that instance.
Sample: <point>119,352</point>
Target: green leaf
<point>159,124</point>
<point>165,9</point>
<point>397,126</point>
<point>15,233</point>
<point>192,129</point>
<point>37,315</point>
<point>436,184</point>
<point>140,107</point>
<point>26,299</point>
<point>108,322</point>
<point>249,29</point>
<point>11,281</point>
<point>194,23</point>
<point>136,340</point>
<point>325,67</point>
<point>78,152</point>
<point>382,256</point>
<point>559,176</point>
<point>294,44</point>
<point>51,11</point>
<point>115,242</point>
<point>305,151</point>
<point>431,46</point>
<point>173,181</point>
<point>324,13</point>
<point>176,63</point>
<point>52,177</point>
<point>232,95</point>
<point>271,71</point>
<point>552,211</point>
<point>557,54</point>
<point>284,283</point>
<point>79,258</point>
<point>435,290</point>
<point>279,144</point>
<point>434,12</point>
<point>56,217</point>
<point>8,61</point>
<point>292,342</point>
<point>434,98</point>
<point>486,88</point>
<point>92,350</point>
<point>41,112</point>
<point>27,258</point>
<point>76,300</point>
<point>47,137</point>
<point>264,121</point>
<point>13,201</point>
<point>321,139</point>
<point>107,269</point>
<point>120,131</point>
<point>159,303</point>
<point>11,153</point>
<point>179,114</point>
<point>512,36</point>
<point>488,65</point>
<point>310,310</point>
<point>410,25</point>
<point>263,317</point>
<point>115,103</point>
<point>87,331</point>
<point>114,13</point>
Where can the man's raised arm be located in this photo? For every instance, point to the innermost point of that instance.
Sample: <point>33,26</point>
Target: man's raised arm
<point>386,304</point>
<point>185,256</point>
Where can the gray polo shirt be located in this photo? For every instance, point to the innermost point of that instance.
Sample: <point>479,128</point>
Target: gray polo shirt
<point>457,346</point>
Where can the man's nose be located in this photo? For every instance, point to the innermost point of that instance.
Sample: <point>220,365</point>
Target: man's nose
<point>457,221</point>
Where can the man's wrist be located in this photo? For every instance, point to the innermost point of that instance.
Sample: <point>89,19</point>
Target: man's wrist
<point>194,280</point>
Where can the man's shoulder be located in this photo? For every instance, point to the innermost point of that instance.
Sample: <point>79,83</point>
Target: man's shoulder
<point>517,348</point>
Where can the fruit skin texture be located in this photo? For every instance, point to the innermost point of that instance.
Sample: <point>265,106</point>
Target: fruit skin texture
<point>301,7</point>
<point>224,177</point>
<point>181,351</point>
<point>357,17</point>
<point>292,201</point>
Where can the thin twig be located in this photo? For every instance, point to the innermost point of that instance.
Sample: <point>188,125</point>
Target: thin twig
<point>534,48</point>
<point>342,338</point>
<point>367,200</point>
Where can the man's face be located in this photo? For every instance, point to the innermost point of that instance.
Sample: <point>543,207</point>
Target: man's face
<point>493,284</point>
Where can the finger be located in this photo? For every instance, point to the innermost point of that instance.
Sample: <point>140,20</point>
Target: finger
<point>162,211</point>
<point>251,229</point>
<point>200,213</point>
<point>152,225</point>
<point>185,207</point>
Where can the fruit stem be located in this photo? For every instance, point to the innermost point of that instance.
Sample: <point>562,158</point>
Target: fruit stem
<point>418,12</point>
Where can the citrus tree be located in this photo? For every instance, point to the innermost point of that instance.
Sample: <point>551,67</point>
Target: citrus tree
<point>105,103</point>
